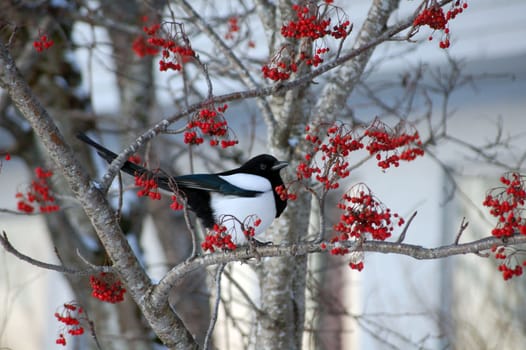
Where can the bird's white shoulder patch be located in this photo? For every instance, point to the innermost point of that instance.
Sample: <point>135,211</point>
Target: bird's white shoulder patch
<point>248,182</point>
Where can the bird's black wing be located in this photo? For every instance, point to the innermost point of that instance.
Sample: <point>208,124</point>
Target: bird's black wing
<point>212,183</point>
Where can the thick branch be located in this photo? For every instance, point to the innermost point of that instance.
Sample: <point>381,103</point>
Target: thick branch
<point>163,320</point>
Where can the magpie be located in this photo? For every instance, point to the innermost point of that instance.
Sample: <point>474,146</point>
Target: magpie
<point>228,198</point>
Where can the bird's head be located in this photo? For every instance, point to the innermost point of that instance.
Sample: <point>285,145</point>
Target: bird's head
<point>264,165</point>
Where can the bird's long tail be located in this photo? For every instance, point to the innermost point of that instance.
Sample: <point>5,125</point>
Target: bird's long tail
<point>109,156</point>
<point>164,182</point>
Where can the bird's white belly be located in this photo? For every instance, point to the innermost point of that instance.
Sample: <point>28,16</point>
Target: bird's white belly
<point>245,210</point>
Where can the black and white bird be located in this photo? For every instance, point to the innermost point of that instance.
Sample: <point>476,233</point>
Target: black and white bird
<point>228,198</point>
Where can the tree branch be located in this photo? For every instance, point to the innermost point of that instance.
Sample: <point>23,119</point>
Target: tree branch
<point>4,241</point>
<point>411,250</point>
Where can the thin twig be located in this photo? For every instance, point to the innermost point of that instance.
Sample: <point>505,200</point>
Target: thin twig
<point>404,231</point>
<point>4,241</point>
<point>107,269</point>
<point>463,225</point>
<point>244,294</point>
<point>213,320</point>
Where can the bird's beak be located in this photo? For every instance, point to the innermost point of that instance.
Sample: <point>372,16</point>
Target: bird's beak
<point>279,165</point>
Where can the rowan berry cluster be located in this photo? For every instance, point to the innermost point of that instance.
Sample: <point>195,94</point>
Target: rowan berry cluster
<point>509,273</point>
<point>142,48</point>
<point>281,66</point>
<point>309,26</point>
<point>148,185</point>
<point>363,213</point>
<point>42,43</point>
<point>339,250</point>
<point>332,164</point>
<point>434,17</point>
<point>177,203</point>
<point>38,193</point>
<point>107,287</point>
<point>401,144</point>
<point>507,204</point>
<point>71,317</point>
<point>233,27</point>
<point>218,238</point>
<point>331,145</point>
<point>312,25</point>
<point>356,266</point>
<point>284,193</point>
<point>173,45</point>
<point>510,257</point>
<point>249,226</point>
<point>212,123</point>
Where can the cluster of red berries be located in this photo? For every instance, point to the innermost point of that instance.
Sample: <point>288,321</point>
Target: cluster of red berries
<point>177,203</point>
<point>339,143</point>
<point>42,43</point>
<point>7,156</point>
<point>398,145</point>
<point>312,26</point>
<point>307,25</point>
<point>507,271</point>
<point>142,48</point>
<point>210,122</point>
<point>135,159</point>
<point>70,316</point>
<point>148,185</point>
<point>249,226</point>
<point>507,205</point>
<point>106,287</point>
<point>38,192</point>
<point>364,214</point>
<point>356,266</point>
<point>456,8</point>
<point>233,27</point>
<point>173,54</point>
<point>434,17</point>
<point>331,145</point>
<point>339,249</point>
<point>284,193</point>
<point>278,69</point>
<point>218,239</point>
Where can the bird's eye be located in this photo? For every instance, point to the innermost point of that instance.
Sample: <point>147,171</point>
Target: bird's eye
<point>263,166</point>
